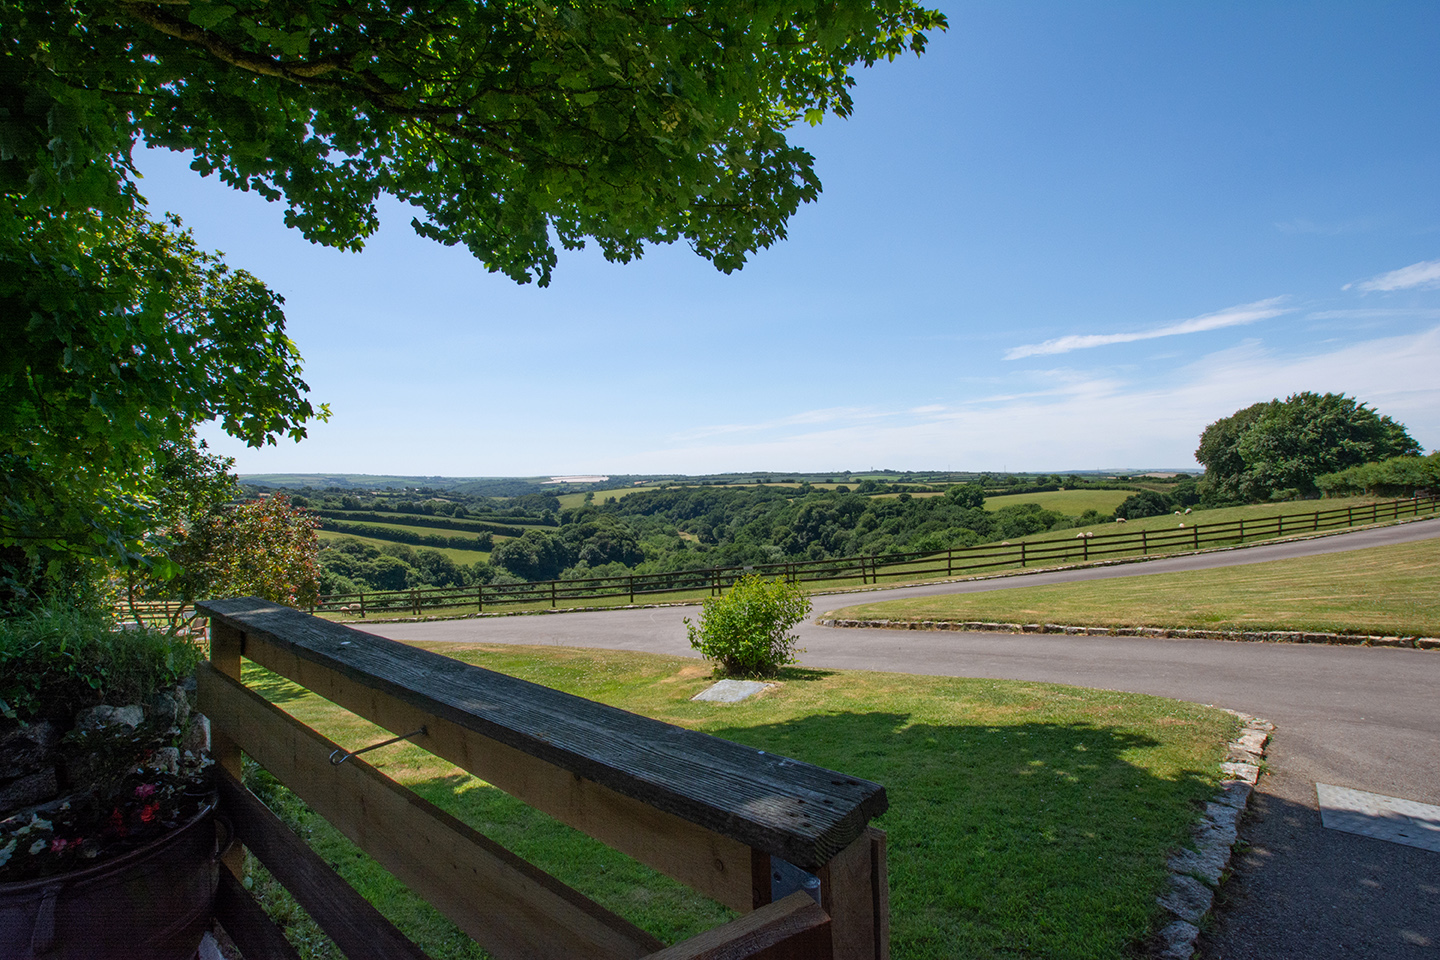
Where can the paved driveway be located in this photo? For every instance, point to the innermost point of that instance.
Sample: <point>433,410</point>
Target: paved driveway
<point>1352,717</point>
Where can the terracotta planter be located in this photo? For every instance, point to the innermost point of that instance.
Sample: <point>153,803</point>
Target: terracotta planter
<point>153,903</point>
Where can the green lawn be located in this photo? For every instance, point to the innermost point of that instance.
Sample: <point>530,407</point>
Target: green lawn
<point>1252,511</point>
<point>454,553</point>
<point>1383,590</point>
<point>1025,819</point>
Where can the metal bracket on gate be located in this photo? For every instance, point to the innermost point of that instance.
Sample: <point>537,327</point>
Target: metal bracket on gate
<point>338,756</point>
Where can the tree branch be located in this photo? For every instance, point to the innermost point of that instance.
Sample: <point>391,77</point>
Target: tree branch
<point>299,72</point>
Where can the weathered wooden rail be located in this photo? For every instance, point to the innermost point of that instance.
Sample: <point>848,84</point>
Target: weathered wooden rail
<point>712,814</point>
<point>1065,548</point>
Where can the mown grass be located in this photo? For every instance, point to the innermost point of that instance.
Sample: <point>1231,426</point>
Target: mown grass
<point>1381,590</point>
<point>1025,819</point>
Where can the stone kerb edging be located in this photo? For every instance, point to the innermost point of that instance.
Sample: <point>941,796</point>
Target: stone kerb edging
<point>1251,636</point>
<point>1196,874</point>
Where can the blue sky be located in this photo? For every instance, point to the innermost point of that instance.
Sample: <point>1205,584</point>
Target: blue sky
<point>1068,237</point>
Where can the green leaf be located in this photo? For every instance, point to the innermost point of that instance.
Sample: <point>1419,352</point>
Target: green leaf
<point>210,15</point>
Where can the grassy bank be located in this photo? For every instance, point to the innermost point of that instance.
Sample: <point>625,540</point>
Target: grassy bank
<point>1072,503</point>
<point>1025,819</point>
<point>1382,590</point>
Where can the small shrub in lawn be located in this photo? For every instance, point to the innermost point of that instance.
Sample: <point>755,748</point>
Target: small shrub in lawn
<point>746,631</point>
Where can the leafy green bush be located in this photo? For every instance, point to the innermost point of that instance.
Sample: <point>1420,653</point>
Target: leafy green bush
<point>1396,477</point>
<point>58,661</point>
<point>746,630</point>
<point>1146,503</point>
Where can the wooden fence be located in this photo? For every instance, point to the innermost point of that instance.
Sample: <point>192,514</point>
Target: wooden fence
<point>872,570</point>
<point>714,815</point>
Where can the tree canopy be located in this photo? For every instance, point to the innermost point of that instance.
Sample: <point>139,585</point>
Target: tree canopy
<point>508,125</point>
<point>1276,449</point>
<point>121,338</point>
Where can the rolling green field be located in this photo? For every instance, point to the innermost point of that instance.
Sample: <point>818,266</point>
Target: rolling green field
<point>459,556</point>
<point>1382,590</point>
<point>1071,503</point>
<point>1025,819</point>
<point>569,501</point>
<point>426,531</point>
<point>1254,511</point>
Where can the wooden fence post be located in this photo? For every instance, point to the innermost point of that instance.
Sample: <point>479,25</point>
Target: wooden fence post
<point>950,562</point>
<point>227,644</point>
<point>854,890</point>
<point>552,594</point>
<point>1022,553</point>
<point>632,588</point>
<point>362,604</point>
<point>1196,529</point>
<point>480,598</point>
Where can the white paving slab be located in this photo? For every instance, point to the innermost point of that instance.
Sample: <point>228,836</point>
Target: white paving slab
<point>730,691</point>
<point>1384,818</point>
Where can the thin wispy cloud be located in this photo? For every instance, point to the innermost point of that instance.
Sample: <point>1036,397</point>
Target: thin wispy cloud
<point>1417,276</point>
<point>1379,313</point>
<point>1093,422</point>
<point>1231,317</point>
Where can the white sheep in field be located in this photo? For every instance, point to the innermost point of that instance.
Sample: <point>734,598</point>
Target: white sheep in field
<point>1119,519</point>
<point>1082,536</point>
<point>1177,513</point>
<point>1187,510</point>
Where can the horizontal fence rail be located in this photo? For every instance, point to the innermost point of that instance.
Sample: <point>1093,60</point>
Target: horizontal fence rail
<point>714,815</point>
<point>870,570</point>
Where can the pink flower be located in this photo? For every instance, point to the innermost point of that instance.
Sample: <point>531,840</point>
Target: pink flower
<point>145,791</point>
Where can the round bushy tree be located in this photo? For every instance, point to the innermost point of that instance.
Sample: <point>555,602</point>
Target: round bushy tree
<point>1275,450</point>
<point>1146,503</point>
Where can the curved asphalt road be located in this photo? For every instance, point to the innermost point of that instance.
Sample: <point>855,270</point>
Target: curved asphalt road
<point>1367,718</point>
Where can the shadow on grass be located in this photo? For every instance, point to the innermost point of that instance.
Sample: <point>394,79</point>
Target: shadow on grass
<point>1033,839</point>
<point>802,674</point>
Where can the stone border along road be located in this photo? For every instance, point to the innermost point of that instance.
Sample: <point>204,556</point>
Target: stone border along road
<point>1351,717</point>
<point>1251,636</point>
<point>1196,874</point>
